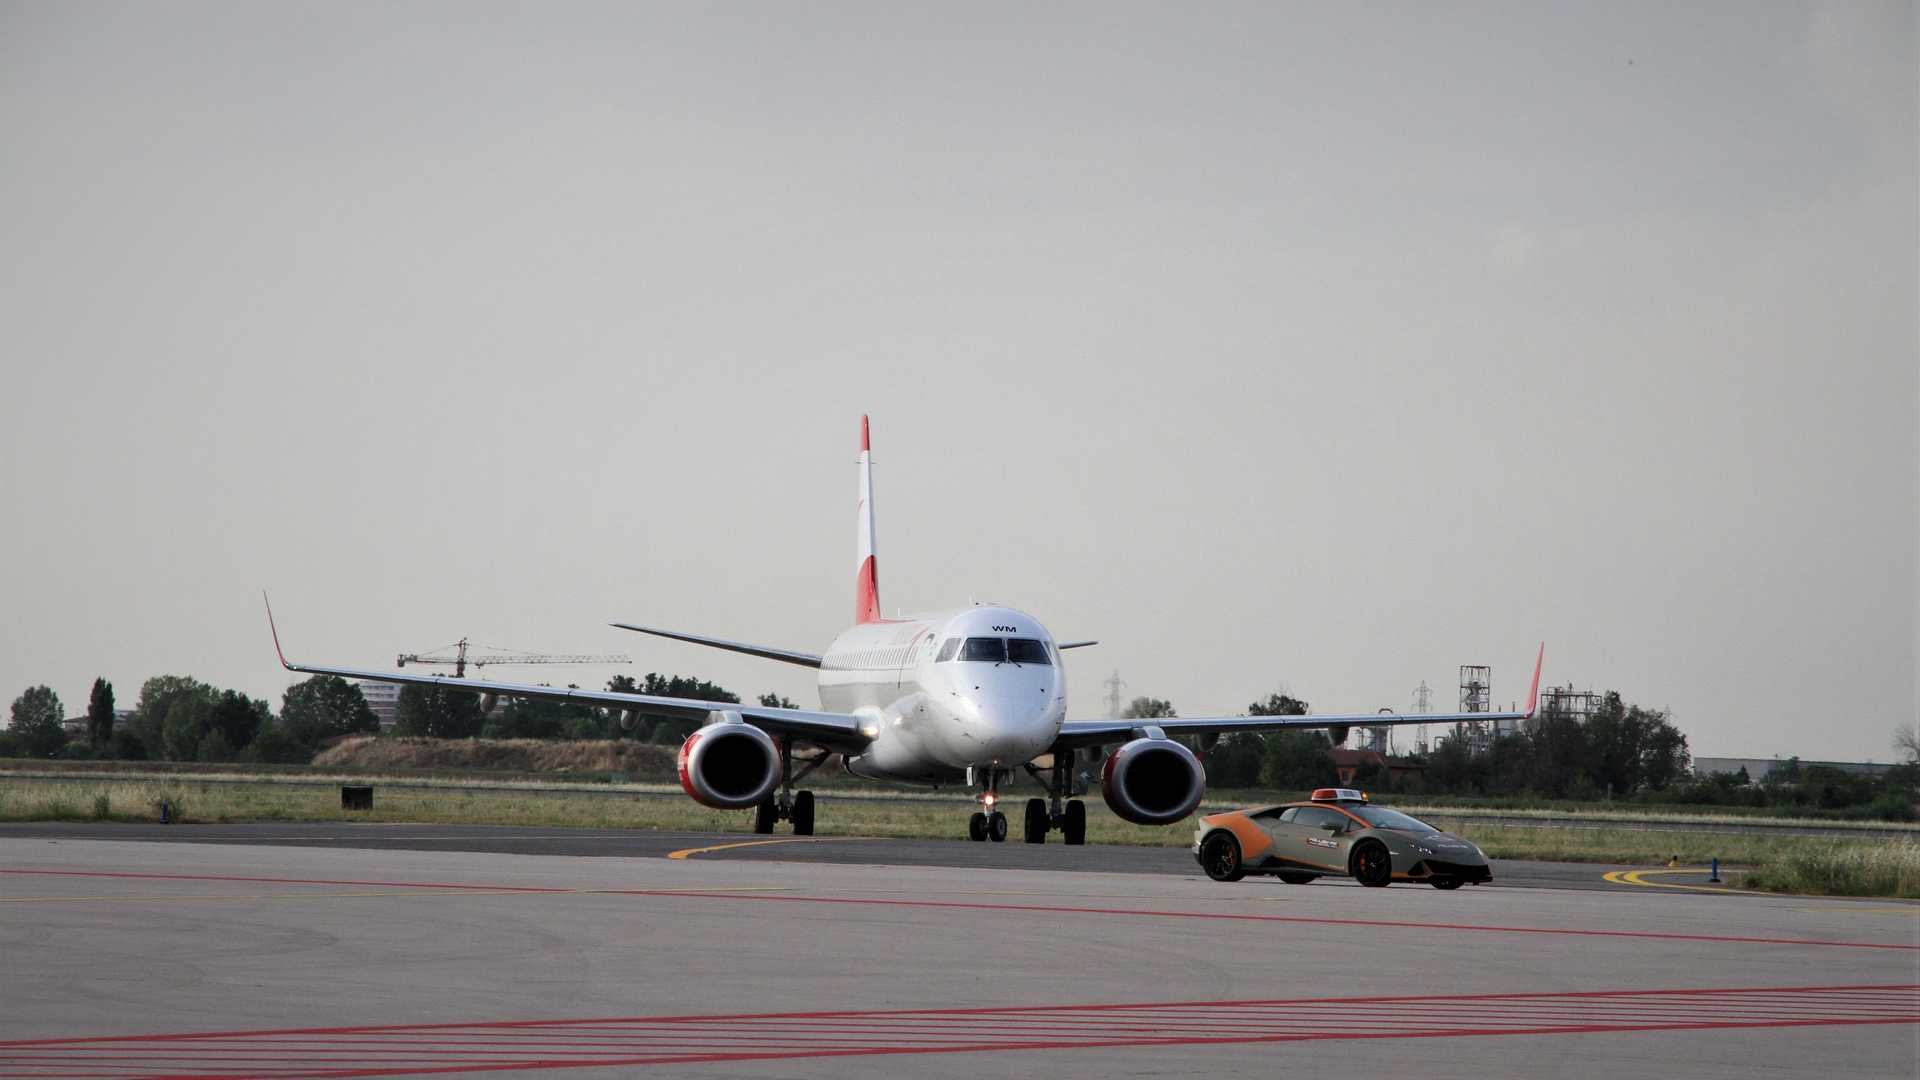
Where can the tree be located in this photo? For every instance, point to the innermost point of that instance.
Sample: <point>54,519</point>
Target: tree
<point>1906,739</point>
<point>238,718</point>
<point>38,722</point>
<point>1239,760</point>
<point>188,718</point>
<point>100,713</point>
<point>522,718</point>
<point>321,708</point>
<point>1278,705</point>
<point>158,698</point>
<point>775,701</point>
<point>438,712</point>
<point>669,730</point>
<point>1297,760</point>
<point>1146,708</point>
<point>272,745</point>
<point>1235,761</point>
<point>214,746</point>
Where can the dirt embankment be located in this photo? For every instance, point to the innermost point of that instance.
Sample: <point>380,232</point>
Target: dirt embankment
<point>640,761</point>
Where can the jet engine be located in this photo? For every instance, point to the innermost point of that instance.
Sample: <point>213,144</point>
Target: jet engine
<point>1152,781</point>
<point>729,765</point>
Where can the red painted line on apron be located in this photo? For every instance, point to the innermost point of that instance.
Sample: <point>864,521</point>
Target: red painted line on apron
<point>488,1046</point>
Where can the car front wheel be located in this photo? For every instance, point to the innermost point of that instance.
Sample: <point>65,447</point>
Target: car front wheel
<point>1372,865</point>
<point>1220,857</point>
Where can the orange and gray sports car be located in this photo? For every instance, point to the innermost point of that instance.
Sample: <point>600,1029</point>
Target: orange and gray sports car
<point>1335,833</point>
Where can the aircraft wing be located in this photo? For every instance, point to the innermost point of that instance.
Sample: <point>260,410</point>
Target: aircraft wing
<point>839,732</point>
<point>767,652</point>
<point>1080,733</point>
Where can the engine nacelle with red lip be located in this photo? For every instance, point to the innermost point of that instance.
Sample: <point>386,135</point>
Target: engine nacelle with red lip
<point>729,765</point>
<point>1153,781</point>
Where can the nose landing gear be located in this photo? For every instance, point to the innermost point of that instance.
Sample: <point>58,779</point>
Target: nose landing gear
<point>988,823</point>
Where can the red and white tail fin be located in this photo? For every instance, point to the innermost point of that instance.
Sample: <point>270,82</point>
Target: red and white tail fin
<point>866,587</point>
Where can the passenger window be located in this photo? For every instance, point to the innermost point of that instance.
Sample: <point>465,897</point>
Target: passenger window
<point>1289,813</point>
<point>1022,650</point>
<point>991,649</point>
<point>947,649</point>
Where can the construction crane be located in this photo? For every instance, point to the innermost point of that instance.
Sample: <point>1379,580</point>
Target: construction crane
<point>461,661</point>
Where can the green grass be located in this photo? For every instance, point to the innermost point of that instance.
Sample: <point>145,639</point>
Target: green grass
<point>1866,867</point>
<point>1842,869</point>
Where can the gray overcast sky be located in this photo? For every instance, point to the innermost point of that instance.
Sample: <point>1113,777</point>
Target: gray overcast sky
<point>1274,345</point>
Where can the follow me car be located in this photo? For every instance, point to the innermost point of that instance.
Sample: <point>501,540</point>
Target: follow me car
<point>1336,833</point>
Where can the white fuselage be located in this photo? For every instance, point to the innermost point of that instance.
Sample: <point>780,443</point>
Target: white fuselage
<point>935,718</point>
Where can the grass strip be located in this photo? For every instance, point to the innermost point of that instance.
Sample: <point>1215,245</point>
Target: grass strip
<point>1810,865</point>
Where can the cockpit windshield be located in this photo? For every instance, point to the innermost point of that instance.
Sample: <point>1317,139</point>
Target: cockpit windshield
<point>991,649</point>
<point>1022,650</point>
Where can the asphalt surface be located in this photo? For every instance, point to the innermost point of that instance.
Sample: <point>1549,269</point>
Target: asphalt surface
<point>329,950</point>
<point>617,843</point>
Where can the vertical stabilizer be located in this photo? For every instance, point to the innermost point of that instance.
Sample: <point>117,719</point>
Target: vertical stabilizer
<point>866,588</point>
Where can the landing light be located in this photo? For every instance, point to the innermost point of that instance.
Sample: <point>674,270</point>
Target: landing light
<point>989,798</point>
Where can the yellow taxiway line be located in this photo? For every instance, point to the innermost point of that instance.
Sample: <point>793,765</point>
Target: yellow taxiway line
<point>1633,877</point>
<point>688,853</point>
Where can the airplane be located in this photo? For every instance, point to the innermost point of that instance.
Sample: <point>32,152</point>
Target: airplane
<point>957,697</point>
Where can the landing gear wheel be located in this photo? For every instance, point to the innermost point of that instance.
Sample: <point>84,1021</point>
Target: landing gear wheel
<point>1446,883</point>
<point>1220,857</point>
<point>997,826</point>
<point>803,813</point>
<point>1371,865</point>
<point>977,826</point>
<point>1075,829</point>
<point>764,815</point>
<point>1035,831</point>
<point>1296,878</point>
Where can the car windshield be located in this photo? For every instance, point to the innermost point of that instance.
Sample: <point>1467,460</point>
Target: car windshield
<point>1022,650</point>
<point>990,649</point>
<point>1382,818</point>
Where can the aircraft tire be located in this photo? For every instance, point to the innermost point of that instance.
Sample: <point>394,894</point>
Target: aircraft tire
<point>1074,831</point>
<point>977,826</point>
<point>997,826</point>
<point>763,817</point>
<point>1036,823</point>
<point>803,813</point>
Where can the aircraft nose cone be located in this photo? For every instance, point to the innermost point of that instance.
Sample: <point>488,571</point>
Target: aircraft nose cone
<point>1004,728</point>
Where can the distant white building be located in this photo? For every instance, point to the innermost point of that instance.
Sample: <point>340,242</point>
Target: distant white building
<point>1759,768</point>
<point>76,726</point>
<point>383,699</point>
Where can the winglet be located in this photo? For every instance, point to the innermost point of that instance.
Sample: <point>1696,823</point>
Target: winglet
<point>275,630</point>
<point>1533,694</point>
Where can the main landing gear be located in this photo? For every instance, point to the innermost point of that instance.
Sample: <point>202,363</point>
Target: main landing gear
<point>1057,811</point>
<point>787,804</point>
